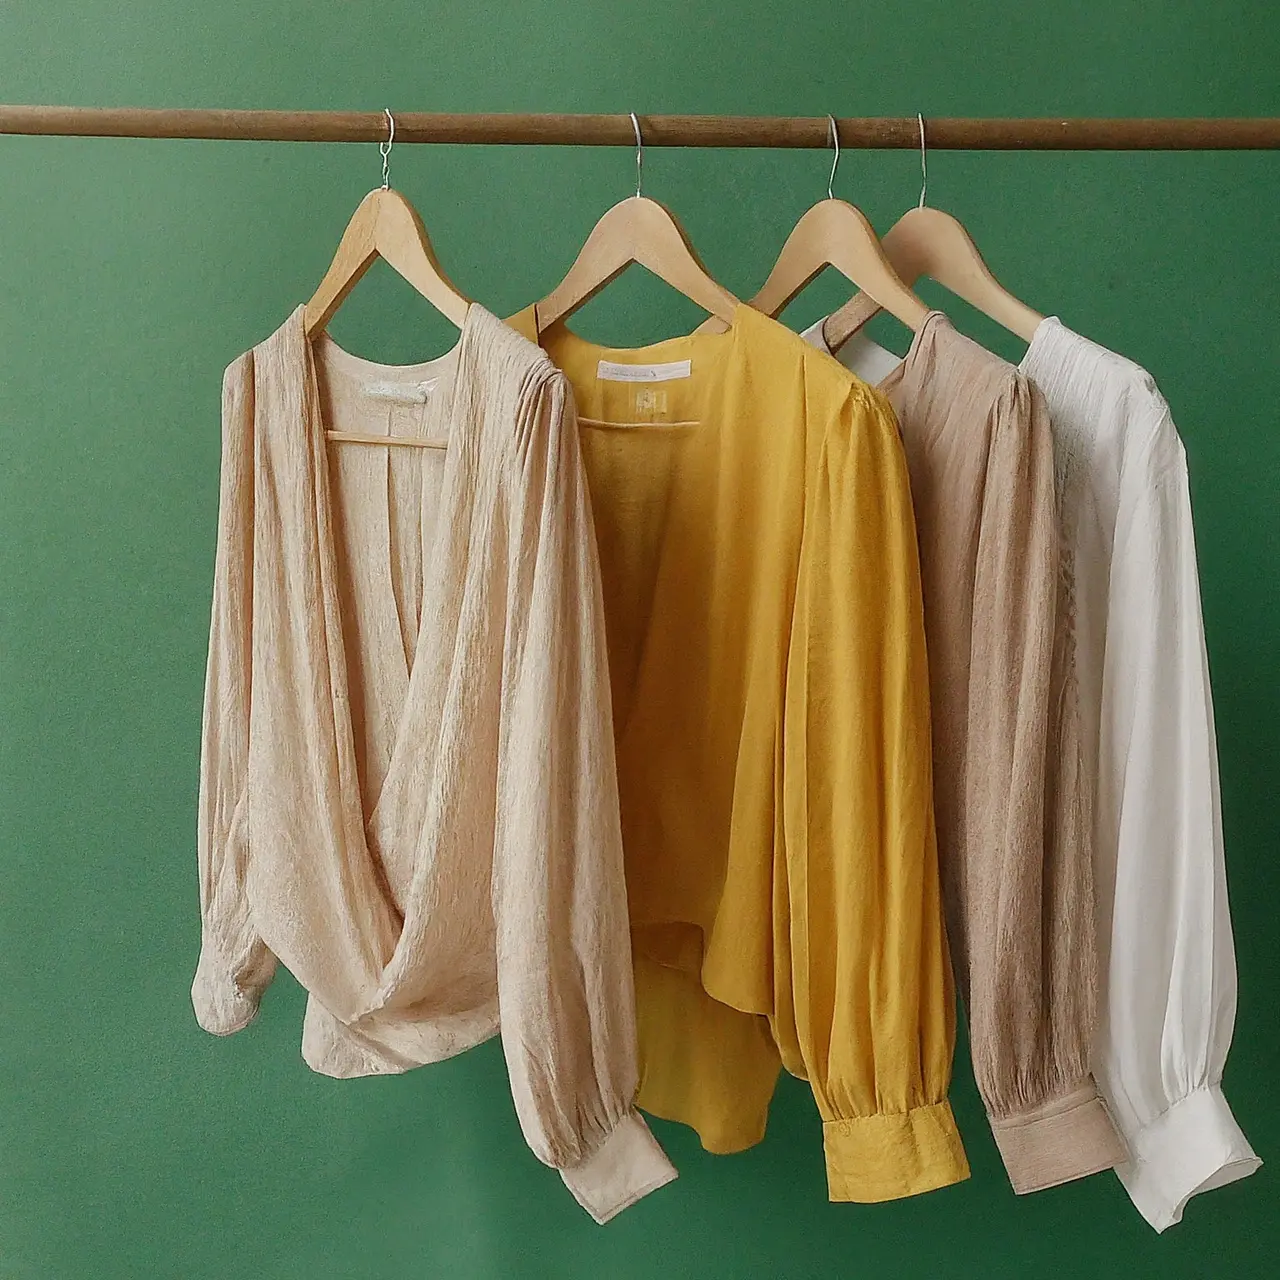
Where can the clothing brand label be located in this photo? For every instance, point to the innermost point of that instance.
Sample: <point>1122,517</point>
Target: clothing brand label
<point>400,392</point>
<point>607,371</point>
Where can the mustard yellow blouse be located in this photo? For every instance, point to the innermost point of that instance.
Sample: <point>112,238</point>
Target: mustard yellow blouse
<point>771,719</point>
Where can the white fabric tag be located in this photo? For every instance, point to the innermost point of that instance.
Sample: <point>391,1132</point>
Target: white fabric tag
<point>401,392</point>
<point>608,371</point>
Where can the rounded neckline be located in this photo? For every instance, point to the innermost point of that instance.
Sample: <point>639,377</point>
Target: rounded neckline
<point>708,354</point>
<point>711,347</point>
<point>336,358</point>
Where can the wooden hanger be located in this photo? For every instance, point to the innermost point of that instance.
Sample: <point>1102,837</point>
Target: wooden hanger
<point>639,230</point>
<point>929,242</point>
<point>385,225</point>
<point>835,233</point>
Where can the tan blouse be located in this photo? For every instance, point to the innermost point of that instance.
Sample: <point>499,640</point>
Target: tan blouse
<point>1012,807</point>
<point>408,792</point>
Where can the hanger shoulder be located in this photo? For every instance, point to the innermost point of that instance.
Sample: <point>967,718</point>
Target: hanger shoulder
<point>402,241</point>
<point>664,248</point>
<point>384,225</point>
<point>643,231</point>
<point>838,234</point>
<point>356,252</point>
<point>603,257</point>
<point>930,242</point>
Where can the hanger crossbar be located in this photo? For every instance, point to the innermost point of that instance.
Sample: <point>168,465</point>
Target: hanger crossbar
<point>875,133</point>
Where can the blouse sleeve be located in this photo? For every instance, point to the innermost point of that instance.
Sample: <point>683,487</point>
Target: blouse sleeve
<point>565,993</point>
<point>1024,943</point>
<point>863,1003</point>
<point>1171,971</point>
<point>235,965</point>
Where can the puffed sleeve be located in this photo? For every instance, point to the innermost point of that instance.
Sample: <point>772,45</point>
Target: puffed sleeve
<point>565,993</point>
<point>1022,904</point>
<point>863,997</point>
<point>235,965</point>
<point>1171,974</point>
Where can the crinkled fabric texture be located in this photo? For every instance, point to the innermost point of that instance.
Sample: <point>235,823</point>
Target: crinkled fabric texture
<point>408,792</point>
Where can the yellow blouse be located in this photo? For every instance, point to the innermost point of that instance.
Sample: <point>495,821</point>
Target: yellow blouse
<point>771,718</point>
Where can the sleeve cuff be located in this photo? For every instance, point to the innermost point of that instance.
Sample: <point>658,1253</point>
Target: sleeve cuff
<point>221,1006</point>
<point>1068,1137</point>
<point>1195,1146</point>
<point>888,1157</point>
<point>623,1169</point>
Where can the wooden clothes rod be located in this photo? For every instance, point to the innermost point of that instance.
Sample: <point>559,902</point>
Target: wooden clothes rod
<point>890,132</point>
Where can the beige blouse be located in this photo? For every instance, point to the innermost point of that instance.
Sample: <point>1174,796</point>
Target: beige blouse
<point>408,792</point>
<point>1012,807</point>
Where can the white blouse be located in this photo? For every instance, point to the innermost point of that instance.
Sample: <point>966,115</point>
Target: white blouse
<point>1165,927</point>
<point>408,793</point>
<point>1167,1008</point>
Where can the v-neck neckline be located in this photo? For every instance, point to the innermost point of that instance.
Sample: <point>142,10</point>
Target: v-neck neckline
<point>315,427</point>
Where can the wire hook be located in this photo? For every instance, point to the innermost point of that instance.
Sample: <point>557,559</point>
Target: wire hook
<point>924,167</point>
<point>635,124</point>
<point>835,160</point>
<point>384,149</point>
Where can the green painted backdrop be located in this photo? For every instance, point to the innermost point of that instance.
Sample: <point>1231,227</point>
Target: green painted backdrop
<point>133,1145</point>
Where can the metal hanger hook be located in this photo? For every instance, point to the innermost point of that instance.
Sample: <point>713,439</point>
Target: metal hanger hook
<point>835,159</point>
<point>924,166</point>
<point>635,124</point>
<point>384,148</point>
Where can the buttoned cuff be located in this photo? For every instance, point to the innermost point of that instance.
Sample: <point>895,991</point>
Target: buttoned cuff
<point>888,1157</point>
<point>623,1169</point>
<point>1069,1136</point>
<point>1195,1146</point>
<point>221,1006</point>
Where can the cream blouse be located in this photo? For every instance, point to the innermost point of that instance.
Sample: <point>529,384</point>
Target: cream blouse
<point>408,792</point>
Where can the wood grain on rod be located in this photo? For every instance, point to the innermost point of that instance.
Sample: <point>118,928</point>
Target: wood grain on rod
<point>949,134</point>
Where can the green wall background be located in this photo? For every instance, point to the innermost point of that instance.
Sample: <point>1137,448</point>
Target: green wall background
<point>133,1145</point>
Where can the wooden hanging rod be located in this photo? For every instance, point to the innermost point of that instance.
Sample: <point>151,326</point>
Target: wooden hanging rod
<point>954,134</point>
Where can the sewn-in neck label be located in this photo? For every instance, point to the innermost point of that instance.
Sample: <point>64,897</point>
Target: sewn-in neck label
<point>608,371</point>
<point>400,392</point>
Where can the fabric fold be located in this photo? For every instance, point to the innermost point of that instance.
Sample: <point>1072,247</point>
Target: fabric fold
<point>408,789</point>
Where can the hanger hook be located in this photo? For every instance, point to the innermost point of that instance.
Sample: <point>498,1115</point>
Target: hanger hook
<point>924,167</point>
<point>835,159</point>
<point>635,124</point>
<point>384,149</point>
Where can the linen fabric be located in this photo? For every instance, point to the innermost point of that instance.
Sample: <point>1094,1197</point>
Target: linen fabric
<point>408,793</point>
<point>771,713</point>
<point>1014,825</point>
